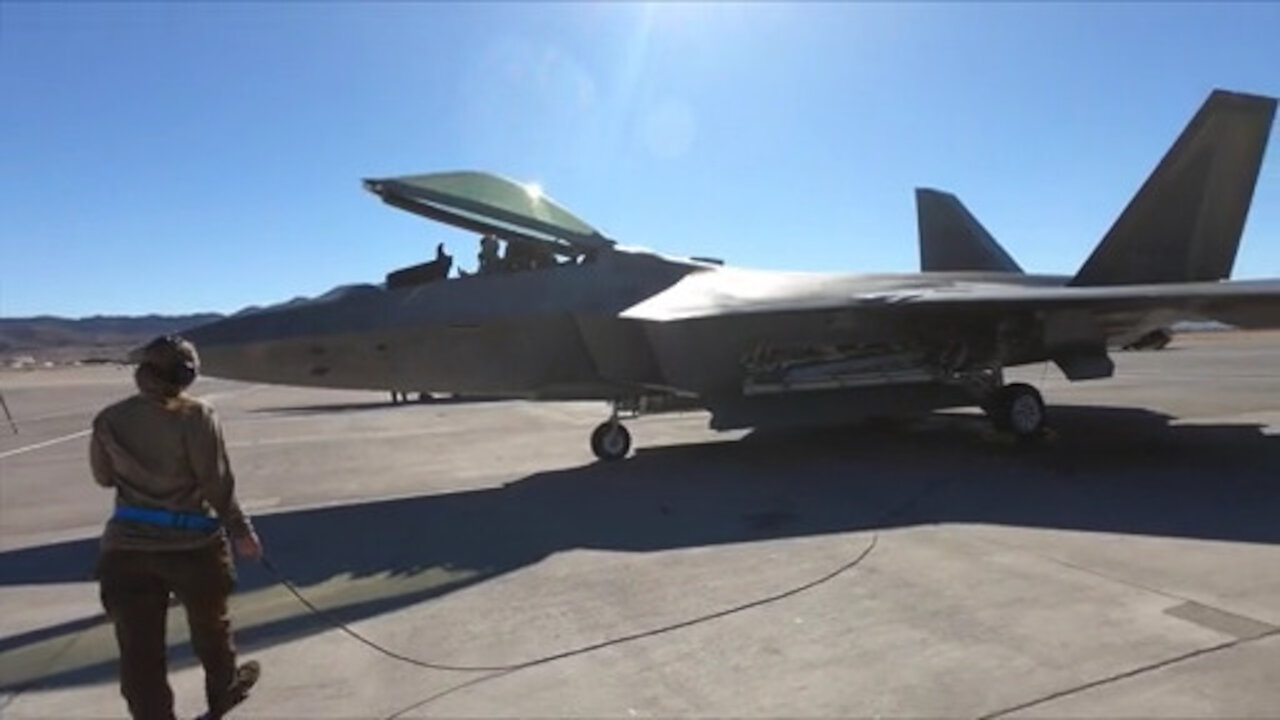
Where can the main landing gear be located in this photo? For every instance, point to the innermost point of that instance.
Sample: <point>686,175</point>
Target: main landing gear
<point>1017,408</point>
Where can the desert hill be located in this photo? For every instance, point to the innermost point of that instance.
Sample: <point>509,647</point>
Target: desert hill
<point>94,339</point>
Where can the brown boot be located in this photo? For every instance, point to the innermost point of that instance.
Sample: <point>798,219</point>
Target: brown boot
<point>246,677</point>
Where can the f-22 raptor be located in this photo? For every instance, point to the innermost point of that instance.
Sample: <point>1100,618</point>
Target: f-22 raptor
<point>570,314</point>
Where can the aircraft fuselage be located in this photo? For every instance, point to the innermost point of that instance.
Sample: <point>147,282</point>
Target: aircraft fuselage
<point>547,333</point>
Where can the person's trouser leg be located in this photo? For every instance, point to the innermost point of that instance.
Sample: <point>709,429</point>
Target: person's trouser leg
<point>137,601</point>
<point>202,580</point>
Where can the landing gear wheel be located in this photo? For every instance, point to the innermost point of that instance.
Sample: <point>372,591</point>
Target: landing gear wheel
<point>610,441</point>
<point>1018,409</point>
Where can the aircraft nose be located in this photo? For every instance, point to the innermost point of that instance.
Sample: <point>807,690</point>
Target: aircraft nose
<point>226,346</point>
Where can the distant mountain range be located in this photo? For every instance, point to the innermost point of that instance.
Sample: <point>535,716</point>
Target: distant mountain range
<point>94,339</point>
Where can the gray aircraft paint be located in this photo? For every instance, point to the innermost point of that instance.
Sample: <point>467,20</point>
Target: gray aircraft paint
<point>618,323</point>
<point>951,238</point>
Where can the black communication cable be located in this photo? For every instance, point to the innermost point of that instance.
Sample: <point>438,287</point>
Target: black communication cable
<point>883,518</point>
<point>496,671</point>
<point>509,667</point>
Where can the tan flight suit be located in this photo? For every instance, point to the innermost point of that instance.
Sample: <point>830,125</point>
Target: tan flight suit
<point>166,453</point>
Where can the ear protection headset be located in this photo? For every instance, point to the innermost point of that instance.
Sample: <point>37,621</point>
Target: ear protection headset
<point>181,370</point>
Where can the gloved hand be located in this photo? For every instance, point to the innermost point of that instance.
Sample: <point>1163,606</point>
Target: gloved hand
<point>248,546</point>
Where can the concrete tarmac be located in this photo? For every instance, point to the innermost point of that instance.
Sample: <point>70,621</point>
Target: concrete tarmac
<point>1130,567</point>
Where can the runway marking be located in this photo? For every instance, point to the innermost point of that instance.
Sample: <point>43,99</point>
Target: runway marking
<point>45,444</point>
<point>82,433</point>
<point>49,416</point>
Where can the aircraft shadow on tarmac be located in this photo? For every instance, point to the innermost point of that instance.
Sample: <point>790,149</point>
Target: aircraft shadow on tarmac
<point>1114,470</point>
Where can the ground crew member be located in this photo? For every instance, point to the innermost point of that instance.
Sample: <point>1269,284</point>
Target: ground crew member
<point>163,453</point>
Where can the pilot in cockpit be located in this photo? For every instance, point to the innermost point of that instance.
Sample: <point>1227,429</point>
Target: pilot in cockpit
<point>517,258</point>
<point>487,260</point>
<point>540,256</point>
<point>520,255</point>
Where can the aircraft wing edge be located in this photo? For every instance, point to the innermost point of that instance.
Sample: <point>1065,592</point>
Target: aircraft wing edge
<point>1249,304</point>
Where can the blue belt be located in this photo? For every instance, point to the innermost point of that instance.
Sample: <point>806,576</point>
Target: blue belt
<point>166,518</point>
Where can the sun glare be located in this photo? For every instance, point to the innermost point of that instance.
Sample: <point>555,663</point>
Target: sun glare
<point>534,191</point>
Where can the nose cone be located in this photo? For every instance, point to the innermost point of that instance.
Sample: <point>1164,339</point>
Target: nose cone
<point>320,342</point>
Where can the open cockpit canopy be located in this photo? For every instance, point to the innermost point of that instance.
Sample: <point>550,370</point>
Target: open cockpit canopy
<point>490,204</point>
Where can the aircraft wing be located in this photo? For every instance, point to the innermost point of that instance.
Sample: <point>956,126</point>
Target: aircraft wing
<point>1119,308</point>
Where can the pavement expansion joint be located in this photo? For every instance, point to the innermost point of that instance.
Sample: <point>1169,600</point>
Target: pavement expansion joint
<point>1092,571</point>
<point>1132,673</point>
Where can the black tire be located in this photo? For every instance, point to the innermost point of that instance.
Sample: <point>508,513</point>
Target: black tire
<point>1019,409</point>
<point>611,441</point>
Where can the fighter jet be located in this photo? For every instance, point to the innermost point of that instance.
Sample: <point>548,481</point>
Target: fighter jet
<point>569,313</point>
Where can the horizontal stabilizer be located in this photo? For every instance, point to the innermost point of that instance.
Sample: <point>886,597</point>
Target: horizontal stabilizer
<point>952,239</point>
<point>1184,224</point>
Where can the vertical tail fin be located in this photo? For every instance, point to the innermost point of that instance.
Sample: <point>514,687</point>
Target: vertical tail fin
<point>1185,223</point>
<point>951,238</point>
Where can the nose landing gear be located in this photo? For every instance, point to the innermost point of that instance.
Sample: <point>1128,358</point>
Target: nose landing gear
<point>611,440</point>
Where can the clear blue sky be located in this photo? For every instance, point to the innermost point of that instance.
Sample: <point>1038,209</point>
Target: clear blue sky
<point>202,157</point>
